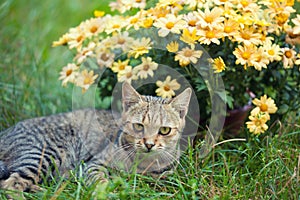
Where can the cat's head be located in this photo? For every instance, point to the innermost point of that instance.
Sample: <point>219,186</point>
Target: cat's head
<point>153,125</point>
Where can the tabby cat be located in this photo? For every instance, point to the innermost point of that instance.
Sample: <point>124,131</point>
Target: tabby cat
<point>143,139</point>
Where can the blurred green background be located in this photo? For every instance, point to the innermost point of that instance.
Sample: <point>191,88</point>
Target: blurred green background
<point>29,66</point>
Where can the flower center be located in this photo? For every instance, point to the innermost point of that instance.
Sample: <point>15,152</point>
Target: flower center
<point>263,107</point>
<point>257,123</point>
<point>148,23</point>
<point>192,23</point>
<point>133,20</point>
<point>188,53</point>
<point>245,55</point>
<point>167,88</point>
<point>93,29</point>
<point>169,25</point>
<point>227,29</point>
<point>121,41</point>
<point>115,26</point>
<point>104,57</point>
<point>245,36</point>
<point>87,80</point>
<point>271,52</point>
<point>79,38</point>
<point>288,54</point>
<point>244,3</point>
<point>210,34</point>
<point>209,19</point>
<point>69,72</point>
<point>129,75</point>
<point>121,67</point>
<point>146,67</point>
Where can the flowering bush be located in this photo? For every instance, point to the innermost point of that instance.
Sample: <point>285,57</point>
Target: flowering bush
<point>252,44</point>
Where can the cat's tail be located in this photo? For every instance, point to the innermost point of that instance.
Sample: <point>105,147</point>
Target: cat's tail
<point>4,172</point>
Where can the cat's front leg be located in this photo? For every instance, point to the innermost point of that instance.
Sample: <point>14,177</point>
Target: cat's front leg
<point>95,172</point>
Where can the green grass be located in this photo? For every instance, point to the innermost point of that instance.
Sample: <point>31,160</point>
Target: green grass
<point>266,167</point>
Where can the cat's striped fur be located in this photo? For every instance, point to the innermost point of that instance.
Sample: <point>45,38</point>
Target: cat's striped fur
<point>148,130</point>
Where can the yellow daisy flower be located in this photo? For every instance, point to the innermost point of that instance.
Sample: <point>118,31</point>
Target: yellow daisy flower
<point>261,59</point>
<point>93,27</point>
<point>257,123</point>
<point>122,40</point>
<point>189,37</point>
<point>288,57</point>
<point>248,35</point>
<point>166,88</point>
<point>245,55</point>
<point>127,75</point>
<point>209,35</point>
<point>218,64</point>
<point>119,66</point>
<point>173,47</point>
<point>99,13</point>
<point>63,40</point>
<point>265,104</point>
<point>146,68</point>
<point>105,58</point>
<point>85,52</point>
<point>273,51</point>
<point>210,18</point>
<point>114,23</point>
<point>76,38</point>
<point>140,47</point>
<point>169,24</point>
<point>187,55</point>
<point>86,79</point>
<point>230,28</point>
<point>68,74</point>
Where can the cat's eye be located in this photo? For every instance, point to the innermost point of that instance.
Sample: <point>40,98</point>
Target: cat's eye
<point>164,130</point>
<point>137,127</point>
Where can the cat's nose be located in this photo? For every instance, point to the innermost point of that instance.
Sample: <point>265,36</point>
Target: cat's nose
<point>149,146</point>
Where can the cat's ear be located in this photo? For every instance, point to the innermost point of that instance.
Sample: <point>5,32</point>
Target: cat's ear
<point>129,96</point>
<point>181,102</point>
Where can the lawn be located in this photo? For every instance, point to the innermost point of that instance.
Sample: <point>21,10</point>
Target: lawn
<point>265,167</point>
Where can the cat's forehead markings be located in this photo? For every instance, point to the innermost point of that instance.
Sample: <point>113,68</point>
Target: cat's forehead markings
<point>156,100</point>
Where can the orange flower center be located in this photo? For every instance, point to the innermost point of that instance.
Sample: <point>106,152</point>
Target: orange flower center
<point>227,29</point>
<point>93,29</point>
<point>148,23</point>
<point>69,72</point>
<point>263,107</point>
<point>288,54</point>
<point>79,38</point>
<point>167,88</point>
<point>271,52</point>
<point>244,3</point>
<point>121,67</point>
<point>138,1</point>
<point>209,19</point>
<point>245,55</point>
<point>192,23</point>
<point>169,25</point>
<point>210,34</point>
<point>245,36</point>
<point>188,53</point>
